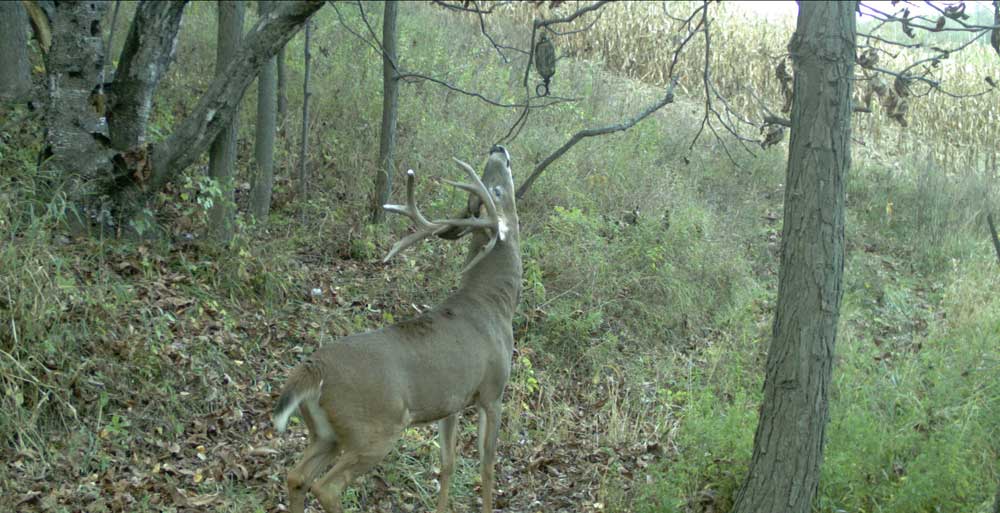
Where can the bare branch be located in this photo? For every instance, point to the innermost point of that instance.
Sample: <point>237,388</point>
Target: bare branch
<point>482,28</point>
<point>522,119</point>
<point>554,99</point>
<point>579,30</point>
<point>592,132</point>
<point>567,19</point>
<point>410,76</point>
<point>464,8</point>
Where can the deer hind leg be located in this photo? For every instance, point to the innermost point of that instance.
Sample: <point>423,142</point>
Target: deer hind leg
<point>448,429</point>
<point>317,457</point>
<point>359,455</point>
<point>489,426</point>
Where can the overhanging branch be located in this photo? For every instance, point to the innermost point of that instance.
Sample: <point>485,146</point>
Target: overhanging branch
<point>593,132</point>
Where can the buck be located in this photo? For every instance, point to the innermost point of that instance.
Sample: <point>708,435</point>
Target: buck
<point>357,394</point>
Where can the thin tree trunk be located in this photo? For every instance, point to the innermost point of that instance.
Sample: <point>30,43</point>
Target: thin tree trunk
<point>282,88</point>
<point>993,235</point>
<point>76,138</point>
<point>788,445</point>
<point>305,121</point>
<point>390,102</point>
<point>996,500</point>
<point>148,52</point>
<point>15,80</point>
<point>219,104</point>
<point>222,158</point>
<point>263,179</point>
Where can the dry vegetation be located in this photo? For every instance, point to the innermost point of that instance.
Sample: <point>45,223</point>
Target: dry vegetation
<point>637,39</point>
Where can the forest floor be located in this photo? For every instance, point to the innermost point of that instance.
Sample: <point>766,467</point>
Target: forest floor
<point>118,464</point>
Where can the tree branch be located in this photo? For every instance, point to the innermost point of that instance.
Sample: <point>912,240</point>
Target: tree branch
<point>218,105</point>
<point>592,132</point>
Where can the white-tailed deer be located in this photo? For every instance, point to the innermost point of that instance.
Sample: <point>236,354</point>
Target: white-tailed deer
<point>359,393</point>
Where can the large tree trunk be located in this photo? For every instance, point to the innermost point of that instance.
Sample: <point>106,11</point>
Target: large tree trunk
<point>148,52</point>
<point>222,158</point>
<point>74,127</point>
<point>390,101</point>
<point>15,80</point>
<point>263,179</point>
<point>788,445</point>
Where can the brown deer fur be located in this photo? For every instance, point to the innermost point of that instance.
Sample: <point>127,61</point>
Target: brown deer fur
<point>359,393</point>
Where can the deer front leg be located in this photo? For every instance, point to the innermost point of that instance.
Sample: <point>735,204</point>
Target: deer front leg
<point>448,428</point>
<point>489,426</point>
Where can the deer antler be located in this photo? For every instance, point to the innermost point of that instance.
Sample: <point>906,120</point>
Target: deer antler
<point>425,227</point>
<point>492,222</point>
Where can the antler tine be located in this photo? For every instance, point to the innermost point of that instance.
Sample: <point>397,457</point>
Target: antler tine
<point>425,227</point>
<point>478,188</point>
<point>492,220</point>
<point>410,209</point>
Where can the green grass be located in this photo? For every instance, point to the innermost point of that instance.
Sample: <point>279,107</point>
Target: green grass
<point>640,347</point>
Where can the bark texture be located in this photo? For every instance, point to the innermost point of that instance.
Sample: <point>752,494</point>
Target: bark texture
<point>15,80</point>
<point>222,157</point>
<point>788,444</point>
<point>75,131</point>
<point>390,102</point>
<point>282,88</point>
<point>267,104</point>
<point>148,51</point>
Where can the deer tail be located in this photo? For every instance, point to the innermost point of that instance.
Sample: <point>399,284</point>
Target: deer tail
<point>304,383</point>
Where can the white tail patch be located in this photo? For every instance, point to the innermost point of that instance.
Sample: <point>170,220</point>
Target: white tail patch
<point>281,417</point>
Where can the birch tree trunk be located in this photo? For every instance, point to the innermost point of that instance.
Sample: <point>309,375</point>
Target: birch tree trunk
<point>263,179</point>
<point>15,80</point>
<point>74,128</point>
<point>390,102</point>
<point>788,445</point>
<point>222,157</point>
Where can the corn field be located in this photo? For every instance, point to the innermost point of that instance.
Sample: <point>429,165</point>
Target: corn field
<point>638,39</point>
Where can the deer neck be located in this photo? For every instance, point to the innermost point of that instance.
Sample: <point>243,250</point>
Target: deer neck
<point>495,281</point>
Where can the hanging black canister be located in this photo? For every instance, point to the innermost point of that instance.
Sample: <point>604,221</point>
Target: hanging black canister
<point>545,63</point>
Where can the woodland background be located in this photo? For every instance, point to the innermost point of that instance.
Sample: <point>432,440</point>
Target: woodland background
<point>138,374</point>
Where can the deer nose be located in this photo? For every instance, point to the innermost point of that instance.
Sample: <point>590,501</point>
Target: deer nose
<point>500,149</point>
